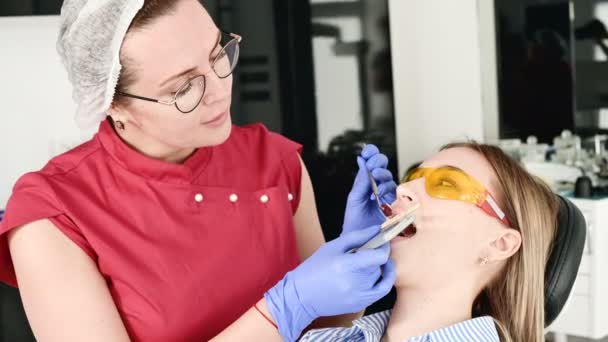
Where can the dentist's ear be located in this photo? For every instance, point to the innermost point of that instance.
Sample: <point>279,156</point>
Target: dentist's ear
<point>121,116</point>
<point>506,244</point>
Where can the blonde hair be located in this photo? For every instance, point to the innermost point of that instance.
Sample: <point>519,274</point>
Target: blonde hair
<point>515,297</point>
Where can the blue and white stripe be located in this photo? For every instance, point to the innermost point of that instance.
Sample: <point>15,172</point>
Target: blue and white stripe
<point>371,329</point>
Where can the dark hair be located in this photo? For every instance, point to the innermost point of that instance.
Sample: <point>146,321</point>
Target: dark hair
<point>150,11</point>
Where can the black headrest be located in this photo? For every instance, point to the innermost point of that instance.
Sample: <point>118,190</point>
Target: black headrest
<point>565,258</point>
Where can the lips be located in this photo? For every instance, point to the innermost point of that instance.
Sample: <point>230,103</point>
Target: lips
<point>400,214</point>
<point>409,231</point>
<point>386,210</point>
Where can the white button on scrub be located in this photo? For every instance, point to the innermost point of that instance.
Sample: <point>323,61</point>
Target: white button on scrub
<point>198,198</point>
<point>264,199</point>
<point>234,198</point>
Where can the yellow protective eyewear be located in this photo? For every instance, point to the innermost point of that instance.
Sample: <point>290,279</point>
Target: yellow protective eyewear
<point>448,182</point>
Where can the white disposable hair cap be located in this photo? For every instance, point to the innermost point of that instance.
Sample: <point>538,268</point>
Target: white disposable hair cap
<point>90,36</point>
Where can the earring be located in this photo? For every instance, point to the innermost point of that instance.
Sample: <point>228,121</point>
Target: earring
<point>119,125</point>
<point>484,261</point>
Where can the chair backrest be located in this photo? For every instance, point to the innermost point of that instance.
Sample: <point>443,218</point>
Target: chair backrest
<point>565,259</point>
<point>14,326</point>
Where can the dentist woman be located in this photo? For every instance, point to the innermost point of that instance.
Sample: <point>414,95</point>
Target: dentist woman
<point>171,224</point>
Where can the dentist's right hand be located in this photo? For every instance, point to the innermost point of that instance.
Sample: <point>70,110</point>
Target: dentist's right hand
<point>331,282</point>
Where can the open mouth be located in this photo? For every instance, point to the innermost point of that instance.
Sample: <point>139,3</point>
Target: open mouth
<point>409,231</point>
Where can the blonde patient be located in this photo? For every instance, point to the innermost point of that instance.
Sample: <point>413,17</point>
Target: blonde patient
<point>472,266</point>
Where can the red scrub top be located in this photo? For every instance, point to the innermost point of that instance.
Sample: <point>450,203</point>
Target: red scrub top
<point>186,248</point>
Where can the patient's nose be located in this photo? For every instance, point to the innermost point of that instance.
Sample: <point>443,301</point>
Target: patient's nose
<point>405,196</point>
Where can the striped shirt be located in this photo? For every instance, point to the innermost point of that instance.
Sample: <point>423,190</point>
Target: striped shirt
<point>371,329</point>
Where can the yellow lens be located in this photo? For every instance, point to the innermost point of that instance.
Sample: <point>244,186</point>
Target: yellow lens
<point>414,174</point>
<point>453,184</point>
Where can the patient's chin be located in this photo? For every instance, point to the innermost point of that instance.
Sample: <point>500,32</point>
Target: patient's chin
<point>408,268</point>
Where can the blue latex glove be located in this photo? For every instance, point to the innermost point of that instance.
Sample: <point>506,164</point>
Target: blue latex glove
<point>361,207</point>
<point>331,282</point>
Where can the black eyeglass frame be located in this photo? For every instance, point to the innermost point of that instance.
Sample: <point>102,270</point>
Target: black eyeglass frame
<point>173,102</point>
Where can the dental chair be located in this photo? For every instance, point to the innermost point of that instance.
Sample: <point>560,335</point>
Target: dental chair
<point>565,259</point>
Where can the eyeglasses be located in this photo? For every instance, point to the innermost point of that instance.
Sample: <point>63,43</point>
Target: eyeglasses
<point>190,94</point>
<point>454,184</point>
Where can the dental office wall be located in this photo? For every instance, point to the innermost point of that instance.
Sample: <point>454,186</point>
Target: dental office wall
<point>37,109</point>
<point>344,87</point>
<point>444,74</point>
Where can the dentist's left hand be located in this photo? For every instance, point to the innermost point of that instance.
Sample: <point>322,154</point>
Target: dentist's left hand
<point>361,207</point>
<point>332,282</point>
